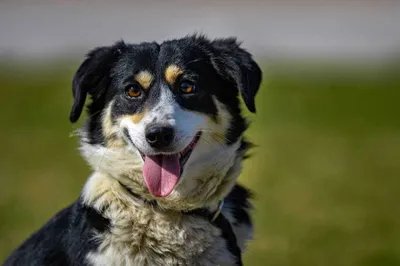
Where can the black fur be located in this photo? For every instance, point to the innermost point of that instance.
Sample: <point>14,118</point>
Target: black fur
<point>239,197</point>
<point>227,233</point>
<point>219,68</point>
<point>64,240</point>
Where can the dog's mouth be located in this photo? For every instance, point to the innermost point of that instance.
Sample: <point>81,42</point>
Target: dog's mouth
<point>161,172</point>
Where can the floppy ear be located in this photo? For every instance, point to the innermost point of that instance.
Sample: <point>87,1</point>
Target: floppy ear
<point>237,66</point>
<point>93,77</point>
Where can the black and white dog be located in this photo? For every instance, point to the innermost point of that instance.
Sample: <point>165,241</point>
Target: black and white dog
<point>164,136</point>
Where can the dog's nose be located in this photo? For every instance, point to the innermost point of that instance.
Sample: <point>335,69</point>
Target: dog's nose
<point>159,136</point>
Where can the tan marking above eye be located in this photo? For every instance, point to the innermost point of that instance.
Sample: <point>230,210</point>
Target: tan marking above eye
<point>172,72</point>
<point>144,78</point>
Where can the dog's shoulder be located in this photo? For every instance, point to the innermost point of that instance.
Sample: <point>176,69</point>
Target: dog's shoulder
<point>237,209</point>
<point>64,240</point>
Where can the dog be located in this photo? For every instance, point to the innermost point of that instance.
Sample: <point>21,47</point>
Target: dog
<point>164,136</point>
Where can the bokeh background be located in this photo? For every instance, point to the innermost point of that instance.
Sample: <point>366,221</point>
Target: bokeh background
<point>326,170</point>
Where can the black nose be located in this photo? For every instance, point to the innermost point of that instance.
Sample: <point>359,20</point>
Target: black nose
<point>159,136</point>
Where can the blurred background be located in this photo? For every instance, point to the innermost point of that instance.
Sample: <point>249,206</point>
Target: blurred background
<point>326,170</point>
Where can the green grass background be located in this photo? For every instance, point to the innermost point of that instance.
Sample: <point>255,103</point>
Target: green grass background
<point>325,173</point>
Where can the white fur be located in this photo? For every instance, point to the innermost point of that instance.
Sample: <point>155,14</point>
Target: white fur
<point>143,235</point>
<point>140,234</point>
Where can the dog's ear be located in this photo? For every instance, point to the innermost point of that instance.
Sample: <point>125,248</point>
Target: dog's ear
<point>93,77</point>
<point>238,67</point>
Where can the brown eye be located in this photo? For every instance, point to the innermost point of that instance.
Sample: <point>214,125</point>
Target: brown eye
<point>187,87</point>
<point>133,92</point>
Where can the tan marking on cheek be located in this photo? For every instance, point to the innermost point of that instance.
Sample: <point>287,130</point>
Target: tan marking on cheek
<point>218,137</point>
<point>110,129</point>
<point>144,78</point>
<point>107,122</point>
<point>216,118</point>
<point>172,72</point>
<point>220,123</point>
<point>136,118</point>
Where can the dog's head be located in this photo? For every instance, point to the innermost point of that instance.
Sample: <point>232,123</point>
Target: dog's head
<point>165,118</point>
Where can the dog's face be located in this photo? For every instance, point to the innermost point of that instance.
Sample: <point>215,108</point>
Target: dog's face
<point>165,119</point>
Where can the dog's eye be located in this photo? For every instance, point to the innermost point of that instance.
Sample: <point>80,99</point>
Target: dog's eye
<point>187,87</point>
<point>133,91</point>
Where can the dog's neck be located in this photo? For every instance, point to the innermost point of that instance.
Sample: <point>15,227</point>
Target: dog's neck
<point>118,176</point>
<point>135,226</point>
<point>101,191</point>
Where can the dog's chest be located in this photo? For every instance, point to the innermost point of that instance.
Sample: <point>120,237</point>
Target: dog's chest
<point>146,237</point>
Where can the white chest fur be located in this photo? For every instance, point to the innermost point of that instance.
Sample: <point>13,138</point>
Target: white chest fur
<point>141,235</point>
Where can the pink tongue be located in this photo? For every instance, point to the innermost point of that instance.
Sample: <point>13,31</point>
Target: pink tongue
<point>161,173</point>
